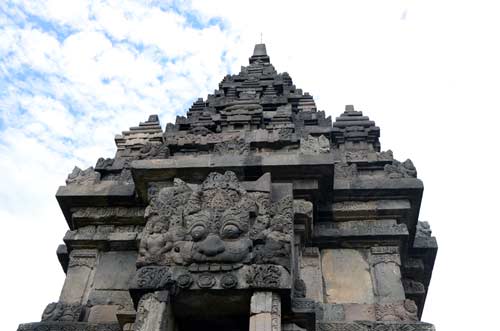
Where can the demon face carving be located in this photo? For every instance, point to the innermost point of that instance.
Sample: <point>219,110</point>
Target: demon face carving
<point>216,226</point>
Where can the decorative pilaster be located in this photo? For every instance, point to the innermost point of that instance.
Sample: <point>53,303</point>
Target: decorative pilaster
<point>386,271</point>
<point>310,272</point>
<point>154,313</point>
<point>81,270</point>
<point>265,312</point>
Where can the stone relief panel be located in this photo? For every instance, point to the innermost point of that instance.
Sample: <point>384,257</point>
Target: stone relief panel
<point>218,227</point>
<point>398,169</point>
<point>314,145</point>
<point>345,171</point>
<point>397,311</point>
<point>233,147</point>
<point>154,313</point>
<point>64,312</point>
<point>69,326</point>
<point>83,177</point>
<point>375,326</point>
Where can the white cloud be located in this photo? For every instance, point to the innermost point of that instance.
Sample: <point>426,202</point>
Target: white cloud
<point>74,74</point>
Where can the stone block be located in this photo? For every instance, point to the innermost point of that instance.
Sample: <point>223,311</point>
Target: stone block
<point>261,302</point>
<point>310,273</point>
<point>291,327</point>
<point>330,312</point>
<point>111,297</point>
<point>387,274</point>
<point>261,322</point>
<point>346,275</point>
<point>115,270</point>
<point>358,312</point>
<point>373,209</point>
<point>79,276</point>
<point>356,232</point>
<point>103,314</point>
<point>265,310</point>
<point>367,326</point>
<point>73,326</point>
<point>154,315</point>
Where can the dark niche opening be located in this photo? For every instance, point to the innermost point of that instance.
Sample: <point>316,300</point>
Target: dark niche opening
<point>221,310</point>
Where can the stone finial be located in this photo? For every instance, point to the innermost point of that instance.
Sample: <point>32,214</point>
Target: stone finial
<point>260,50</point>
<point>259,54</point>
<point>353,131</point>
<point>349,108</point>
<point>153,118</point>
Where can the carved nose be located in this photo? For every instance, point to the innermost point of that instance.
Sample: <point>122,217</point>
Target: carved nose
<point>211,246</point>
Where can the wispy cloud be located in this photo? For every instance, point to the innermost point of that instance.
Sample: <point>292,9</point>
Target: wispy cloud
<point>72,75</point>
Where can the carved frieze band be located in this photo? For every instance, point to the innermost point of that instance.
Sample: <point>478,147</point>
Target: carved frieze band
<point>374,326</point>
<point>396,311</point>
<point>68,326</point>
<point>385,254</point>
<point>61,311</point>
<point>83,258</point>
<point>261,276</point>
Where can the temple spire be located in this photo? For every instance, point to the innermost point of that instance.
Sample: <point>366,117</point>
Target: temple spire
<point>260,50</point>
<point>259,54</point>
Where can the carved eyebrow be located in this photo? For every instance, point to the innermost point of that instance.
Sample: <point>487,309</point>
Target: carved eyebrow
<point>231,222</point>
<point>197,224</point>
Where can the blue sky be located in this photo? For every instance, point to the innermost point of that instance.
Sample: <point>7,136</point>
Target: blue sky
<point>75,73</point>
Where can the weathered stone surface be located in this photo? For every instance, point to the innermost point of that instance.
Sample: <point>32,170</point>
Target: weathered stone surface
<point>207,228</point>
<point>375,326</point>
<point>346,275</point>
<point>383,231</point>
<point>251,207</point>
<point>61,311</point>
<point>104,237</point>
<point>83,177</point>
<point>387,274</point>
<point>65,326</point>
<point>102,194</point>
<point>265,311</point>
<point>356,312</point>
<point>154,314</point>
<point>313,145</point>
<point>291,327</point>
<point>310,273</point>
<point>79,277</point>
<point>103,314</point>
<point>111,215</point>
<point>119,298</point>
<point>396,311</point>
<point>373,209</point>
<point>115,270</point>
<point>261,322</point>
<point>354,131</point>
<point>328,312</point>
<point>261,302</point>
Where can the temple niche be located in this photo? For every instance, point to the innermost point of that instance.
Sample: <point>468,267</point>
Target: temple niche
<point>253,212</point>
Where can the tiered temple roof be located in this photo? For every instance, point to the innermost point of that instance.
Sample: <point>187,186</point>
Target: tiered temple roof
<point>252,211</point>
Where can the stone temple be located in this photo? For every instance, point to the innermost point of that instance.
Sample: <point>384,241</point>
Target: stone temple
<point>252,212</point>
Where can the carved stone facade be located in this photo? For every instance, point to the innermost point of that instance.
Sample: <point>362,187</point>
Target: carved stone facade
<point>252,212</point>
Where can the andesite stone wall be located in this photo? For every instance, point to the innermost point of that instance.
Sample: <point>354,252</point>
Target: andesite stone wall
<point>252,212</point>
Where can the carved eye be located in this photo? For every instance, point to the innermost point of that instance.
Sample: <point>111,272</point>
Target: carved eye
<point>198,232</point>
<point>230,231</point>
